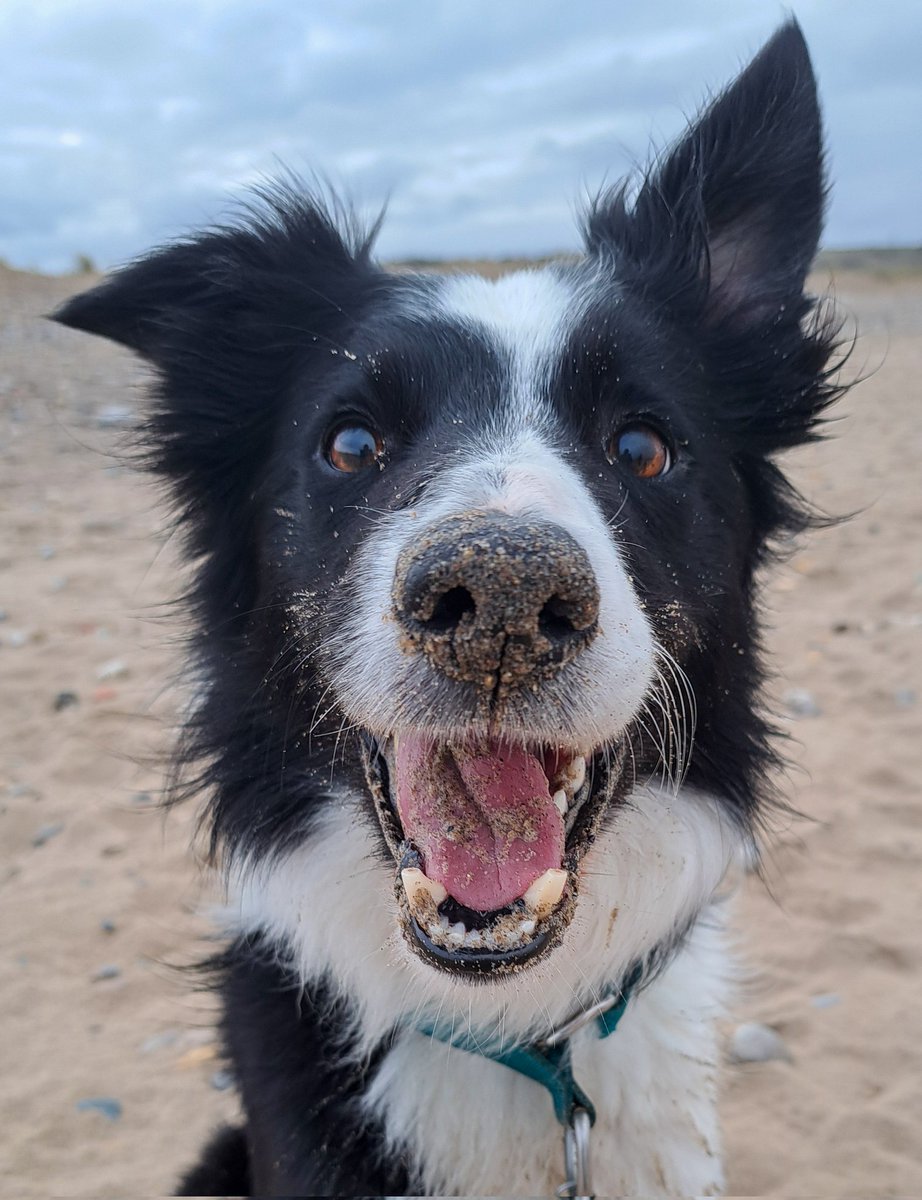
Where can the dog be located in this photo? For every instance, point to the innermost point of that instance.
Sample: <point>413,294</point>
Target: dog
<point>478,657</point>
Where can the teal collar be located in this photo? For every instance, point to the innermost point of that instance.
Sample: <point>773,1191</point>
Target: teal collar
<point>548,1062</point>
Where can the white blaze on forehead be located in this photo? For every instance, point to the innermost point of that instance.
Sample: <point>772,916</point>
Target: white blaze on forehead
<point>526,314</point>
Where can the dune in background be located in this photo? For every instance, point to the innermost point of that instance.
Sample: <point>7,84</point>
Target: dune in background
<point>110,1076</point>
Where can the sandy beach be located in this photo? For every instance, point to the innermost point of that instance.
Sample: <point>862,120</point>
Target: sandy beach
<point>110,1077</point>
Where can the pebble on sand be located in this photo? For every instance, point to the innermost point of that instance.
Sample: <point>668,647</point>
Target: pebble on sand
<point>106,971</point>
<point>115,416</point>
<point>46,833</point>
<point>826,1000</point>
<point>65,700</point>
<point>110,1108</point>
<point>114,668</point>
<point>222,1080</point>
<point>801,703</point>
<point>752,1042</point>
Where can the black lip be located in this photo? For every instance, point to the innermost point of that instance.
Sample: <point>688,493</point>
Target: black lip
<point>480,961</point>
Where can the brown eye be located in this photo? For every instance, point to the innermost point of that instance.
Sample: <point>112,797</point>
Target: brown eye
<point>641,450</point>
<point>352,448</point>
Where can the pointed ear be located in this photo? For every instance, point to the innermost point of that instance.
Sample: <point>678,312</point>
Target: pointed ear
<point>204,292</point>
<point>141,304</point>
<point>740,197</point>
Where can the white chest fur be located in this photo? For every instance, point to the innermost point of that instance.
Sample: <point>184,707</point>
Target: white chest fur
<point>479,1128</point>
<point>476,1127</point>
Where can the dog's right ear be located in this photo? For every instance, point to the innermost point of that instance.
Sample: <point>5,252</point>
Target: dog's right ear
<point>228,320</point>
<point>143,305</point>
<point>198,292</point>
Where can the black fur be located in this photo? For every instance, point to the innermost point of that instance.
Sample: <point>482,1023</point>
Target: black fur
<point>699,325</point>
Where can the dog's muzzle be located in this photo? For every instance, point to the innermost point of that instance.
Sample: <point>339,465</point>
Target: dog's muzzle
<point>495,601</point>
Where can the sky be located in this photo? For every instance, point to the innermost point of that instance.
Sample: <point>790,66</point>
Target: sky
<point>483,124</point>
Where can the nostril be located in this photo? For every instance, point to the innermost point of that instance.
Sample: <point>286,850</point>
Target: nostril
<point>450,608</point>
<point>555,621</point>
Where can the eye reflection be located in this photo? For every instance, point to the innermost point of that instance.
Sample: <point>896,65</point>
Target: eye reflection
<point>640,449</point>
<point>352,448</point>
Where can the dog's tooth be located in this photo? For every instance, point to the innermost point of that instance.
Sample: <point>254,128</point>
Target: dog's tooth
<point>544,894</point>
<point>420,889</point>
<point>457,933</point>
<point>560,799</point>
<point>473,939</point>
<point>572,775</point>
<point>527,927</point>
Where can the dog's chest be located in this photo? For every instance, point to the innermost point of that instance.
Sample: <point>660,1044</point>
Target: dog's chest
<point>473,1126</point>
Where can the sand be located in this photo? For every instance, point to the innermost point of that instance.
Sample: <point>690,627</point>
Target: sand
<point>102,899</point>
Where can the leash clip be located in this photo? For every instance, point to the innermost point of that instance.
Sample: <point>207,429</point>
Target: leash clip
<point>576,1157</point>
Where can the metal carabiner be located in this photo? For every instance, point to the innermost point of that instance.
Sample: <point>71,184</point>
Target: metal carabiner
<point>576,1157</point>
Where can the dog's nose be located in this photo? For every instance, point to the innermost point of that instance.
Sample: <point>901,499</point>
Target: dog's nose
<point>493,599</point>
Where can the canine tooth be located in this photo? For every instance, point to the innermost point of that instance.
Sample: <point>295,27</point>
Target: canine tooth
<point>560,799</point>
<point>420,889</point>
<point>573,775</point>
<point>527,927</point>
<point>544,894</point>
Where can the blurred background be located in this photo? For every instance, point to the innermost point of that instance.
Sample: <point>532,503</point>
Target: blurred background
<point>484,126</point>
<point>481,123</point>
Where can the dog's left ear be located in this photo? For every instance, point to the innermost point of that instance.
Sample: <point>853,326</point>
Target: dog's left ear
<point>739,199</point>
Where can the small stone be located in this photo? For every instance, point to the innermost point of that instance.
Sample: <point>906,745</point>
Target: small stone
<point>160,1041</point>
<point>65,700</point>
<point>222,1080</point>
<point>801,703</point>
<point>106,971</point>
<point>753,1042</point>
<point>16,638</point>
<point>197,1057</point>
<point>46,833</point>
<point>108,1106</point>
<point>106,925</point>
<point>114,668</point>
<point>905,697</point>
<point>115,416</point>
<point>102,694</point>
<point>142,798</point>
<point>47,552</point>
<point>826,1000</point>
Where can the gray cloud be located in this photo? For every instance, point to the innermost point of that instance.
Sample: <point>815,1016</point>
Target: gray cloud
<point>484,123</point>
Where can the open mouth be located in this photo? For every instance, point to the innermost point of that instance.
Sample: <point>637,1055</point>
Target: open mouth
<point>488,837</point>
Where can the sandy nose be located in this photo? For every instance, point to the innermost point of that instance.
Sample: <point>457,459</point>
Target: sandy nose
<point>490,598</point>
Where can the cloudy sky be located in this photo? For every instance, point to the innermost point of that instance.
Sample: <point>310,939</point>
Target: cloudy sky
<point>483,123</point>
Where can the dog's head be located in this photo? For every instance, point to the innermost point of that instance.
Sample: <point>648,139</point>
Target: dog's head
<point>482,553</point>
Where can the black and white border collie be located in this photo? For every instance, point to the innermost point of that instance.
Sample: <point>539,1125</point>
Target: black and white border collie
<point>479,723</point>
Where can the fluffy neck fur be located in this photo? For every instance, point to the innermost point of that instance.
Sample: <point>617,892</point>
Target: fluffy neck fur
<point>470,1126</point>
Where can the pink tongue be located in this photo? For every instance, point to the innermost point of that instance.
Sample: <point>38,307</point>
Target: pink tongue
<point>481,816</point>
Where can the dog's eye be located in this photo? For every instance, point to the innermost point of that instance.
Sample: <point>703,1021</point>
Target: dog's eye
<point>352,448</point>
<point>640,449</point>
